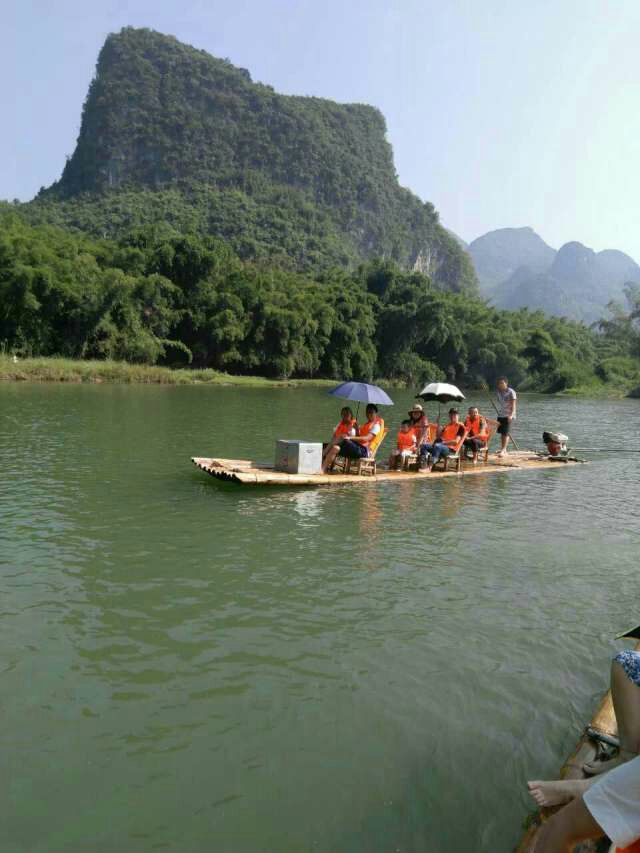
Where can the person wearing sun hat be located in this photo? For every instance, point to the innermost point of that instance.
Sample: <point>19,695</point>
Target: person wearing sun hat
<point>419,423</point>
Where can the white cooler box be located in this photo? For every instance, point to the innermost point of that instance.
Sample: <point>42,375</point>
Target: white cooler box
<point>298,457</point>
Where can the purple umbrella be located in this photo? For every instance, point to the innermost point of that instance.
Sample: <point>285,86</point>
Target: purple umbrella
<point>362,392</point>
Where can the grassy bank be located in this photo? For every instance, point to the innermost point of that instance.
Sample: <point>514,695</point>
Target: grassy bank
<point>76,370</point>
<point>72,370</point>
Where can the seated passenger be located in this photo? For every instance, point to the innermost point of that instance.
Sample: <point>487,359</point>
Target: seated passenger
<point>356,446</point>
<point>606,805</point>
<point>345,428</point>
<point>405,446</point>
<point>477,432</point>
<point>447,439</point>
<point>419,424</point>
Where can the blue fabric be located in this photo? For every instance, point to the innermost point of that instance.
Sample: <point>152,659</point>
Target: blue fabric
<point>362,392</point>
<point>630,662</point>
<point>437,451</point>
<point>352,450</point>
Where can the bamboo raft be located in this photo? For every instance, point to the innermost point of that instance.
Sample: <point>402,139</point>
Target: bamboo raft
<point>248,472</point>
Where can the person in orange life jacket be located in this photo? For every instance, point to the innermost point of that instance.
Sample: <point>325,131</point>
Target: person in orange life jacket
<point>419,424</point>
<point>356,446</point>
<point>345,428</point>
<point>477,432</point>
<point>447,439</point>
<point>406,445</point>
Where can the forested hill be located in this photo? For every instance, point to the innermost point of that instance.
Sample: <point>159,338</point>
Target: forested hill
<point>171,133</point>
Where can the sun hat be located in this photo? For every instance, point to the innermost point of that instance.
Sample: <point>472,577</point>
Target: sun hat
<point>416,408</point>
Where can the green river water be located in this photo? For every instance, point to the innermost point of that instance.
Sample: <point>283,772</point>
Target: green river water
<point>196,666</point>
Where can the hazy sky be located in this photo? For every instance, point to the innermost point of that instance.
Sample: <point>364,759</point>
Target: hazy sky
<point>500,112</point>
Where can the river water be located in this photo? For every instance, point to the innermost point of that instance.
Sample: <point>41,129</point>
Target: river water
<point>196,666</point>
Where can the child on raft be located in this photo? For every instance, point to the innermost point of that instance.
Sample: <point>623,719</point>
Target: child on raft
<point>405,446</point>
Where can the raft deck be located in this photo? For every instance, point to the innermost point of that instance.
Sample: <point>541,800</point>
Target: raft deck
<point>248,472</point>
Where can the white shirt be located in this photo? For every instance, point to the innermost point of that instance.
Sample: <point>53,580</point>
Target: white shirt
<point>506,399</point>
<point>614,802</point>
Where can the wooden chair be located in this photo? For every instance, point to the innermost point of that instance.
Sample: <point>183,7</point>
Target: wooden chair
<point>492,426</point>
<point>454,456</point>
<point>483,453</point>
<point>367,464</point>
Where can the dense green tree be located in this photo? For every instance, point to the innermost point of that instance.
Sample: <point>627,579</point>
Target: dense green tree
<point>159,296</point>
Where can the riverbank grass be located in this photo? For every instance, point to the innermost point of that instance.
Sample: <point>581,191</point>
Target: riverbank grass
<point>75,370</point>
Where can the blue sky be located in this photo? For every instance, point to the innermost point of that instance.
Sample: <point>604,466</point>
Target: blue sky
<point>520,112</point>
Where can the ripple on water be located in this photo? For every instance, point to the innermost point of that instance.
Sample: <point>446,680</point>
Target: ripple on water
<point>326,669</point>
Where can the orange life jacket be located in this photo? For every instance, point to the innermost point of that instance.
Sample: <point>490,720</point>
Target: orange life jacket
<point>406,440</point>
<point>417,427</point>
<point>365,429</point>
<point>343,428</point>
<point>449,434</point>
<point>632,848</point>
<point>476,428</point>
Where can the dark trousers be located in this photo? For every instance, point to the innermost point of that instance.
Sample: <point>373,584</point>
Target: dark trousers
<point>352,450</point>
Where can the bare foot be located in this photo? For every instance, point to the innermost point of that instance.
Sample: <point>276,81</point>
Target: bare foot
<point>556,793</point>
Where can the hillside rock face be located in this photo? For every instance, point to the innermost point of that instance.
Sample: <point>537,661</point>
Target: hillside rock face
<point>498,254</point>
<point>161,115</point>
<point>517,269</point>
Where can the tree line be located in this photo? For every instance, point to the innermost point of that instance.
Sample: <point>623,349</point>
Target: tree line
<point>156,296</point>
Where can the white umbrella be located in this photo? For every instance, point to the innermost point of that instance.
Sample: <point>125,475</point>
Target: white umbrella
<point>443,392</point>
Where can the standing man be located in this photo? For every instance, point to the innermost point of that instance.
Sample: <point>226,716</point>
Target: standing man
<point>506,411</point>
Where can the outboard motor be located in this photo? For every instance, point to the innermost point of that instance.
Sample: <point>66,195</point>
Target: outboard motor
<point>556,443</point>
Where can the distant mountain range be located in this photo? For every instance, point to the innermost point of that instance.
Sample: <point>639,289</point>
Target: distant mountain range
<point>517,269</point>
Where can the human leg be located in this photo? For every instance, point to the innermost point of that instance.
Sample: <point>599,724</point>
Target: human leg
<point>330,457</point>
<point>423,456</point>
<point>474,445</point>
<point>439,451</point>
<point>565,828</point>
<point>557,792</point>
<point>503,431</point>
<point>625,693</point>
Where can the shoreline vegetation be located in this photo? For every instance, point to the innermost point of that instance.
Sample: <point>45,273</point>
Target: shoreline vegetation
<point>159,298</point>
<point>52,369</point>
<point>78,371</point>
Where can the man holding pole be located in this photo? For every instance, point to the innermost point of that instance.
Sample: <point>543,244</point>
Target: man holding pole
<point>506,411</point>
